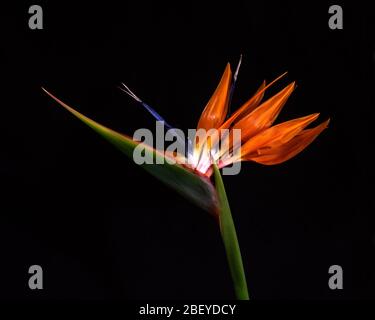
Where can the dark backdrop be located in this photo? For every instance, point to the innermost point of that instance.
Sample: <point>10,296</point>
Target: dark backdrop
<point>102,228</point>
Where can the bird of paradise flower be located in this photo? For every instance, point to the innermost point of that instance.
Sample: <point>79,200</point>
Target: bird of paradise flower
<point>261,142</point>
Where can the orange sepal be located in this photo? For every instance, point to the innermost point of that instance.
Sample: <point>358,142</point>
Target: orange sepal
<point>276,135</point>
<point>263,116</point>
<point>284,152</point>
<point>250,104</point>
<point>216,109</point>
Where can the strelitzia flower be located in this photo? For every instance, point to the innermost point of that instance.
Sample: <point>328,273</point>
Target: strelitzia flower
<point>260,141</point>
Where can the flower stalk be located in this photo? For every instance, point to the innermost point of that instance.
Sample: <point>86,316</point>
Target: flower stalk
<point>230,240</point>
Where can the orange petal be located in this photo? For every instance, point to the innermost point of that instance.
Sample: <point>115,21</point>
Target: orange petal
<point>250,105</point>
<point>216,109</point>
<point>263,116</point>
<point>288,150</point>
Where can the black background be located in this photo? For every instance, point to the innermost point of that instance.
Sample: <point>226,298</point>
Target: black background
<point>102,228</point>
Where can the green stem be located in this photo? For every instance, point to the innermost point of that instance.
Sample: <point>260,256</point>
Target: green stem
<point>229,236</point>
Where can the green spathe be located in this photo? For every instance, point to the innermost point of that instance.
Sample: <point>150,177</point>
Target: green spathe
<point>196,188</point>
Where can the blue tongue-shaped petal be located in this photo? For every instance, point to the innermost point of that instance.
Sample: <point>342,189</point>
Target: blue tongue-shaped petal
<point>156,115</point>
<point>186,143</point>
